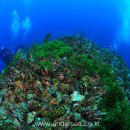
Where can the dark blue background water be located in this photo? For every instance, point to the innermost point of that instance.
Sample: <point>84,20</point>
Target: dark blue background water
<point>106,22</point>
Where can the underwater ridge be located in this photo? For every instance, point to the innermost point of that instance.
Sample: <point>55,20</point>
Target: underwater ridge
<point>70,80</point>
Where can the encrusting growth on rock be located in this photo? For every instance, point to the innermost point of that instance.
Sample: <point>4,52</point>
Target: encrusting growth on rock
<point>71,80</point>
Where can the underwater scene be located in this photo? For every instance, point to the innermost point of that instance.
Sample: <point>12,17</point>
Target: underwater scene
<point>64,65</point>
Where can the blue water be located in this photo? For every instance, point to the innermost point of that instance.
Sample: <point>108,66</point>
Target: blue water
<point>106,22</point>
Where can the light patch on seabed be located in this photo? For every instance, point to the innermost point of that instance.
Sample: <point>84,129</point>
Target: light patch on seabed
<point>123,34</point>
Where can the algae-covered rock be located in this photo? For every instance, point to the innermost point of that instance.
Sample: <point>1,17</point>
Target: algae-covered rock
<point>71,80</point>
<point>31,117</point>
<point>3,114</point>
<point>76,96</point>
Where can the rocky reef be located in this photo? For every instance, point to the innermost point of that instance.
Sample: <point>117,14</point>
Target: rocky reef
<point>68,83</point>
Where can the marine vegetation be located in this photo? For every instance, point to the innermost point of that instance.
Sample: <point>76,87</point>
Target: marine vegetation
<point>69,80</point>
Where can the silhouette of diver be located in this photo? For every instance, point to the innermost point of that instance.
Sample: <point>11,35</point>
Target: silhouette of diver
<point>6,55</point>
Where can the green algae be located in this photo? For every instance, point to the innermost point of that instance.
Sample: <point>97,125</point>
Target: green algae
<point>53,49</point>
<point>17,55</point>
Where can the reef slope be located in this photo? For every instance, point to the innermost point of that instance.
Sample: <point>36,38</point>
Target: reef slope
<point>68,80</point>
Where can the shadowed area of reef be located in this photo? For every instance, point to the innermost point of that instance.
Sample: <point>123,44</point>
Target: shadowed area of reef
<point>68,80</point>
